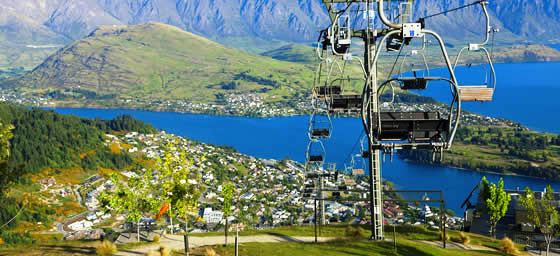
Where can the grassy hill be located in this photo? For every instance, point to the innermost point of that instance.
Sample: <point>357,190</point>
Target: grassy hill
<point>293,53</point>
<point>160,62</point>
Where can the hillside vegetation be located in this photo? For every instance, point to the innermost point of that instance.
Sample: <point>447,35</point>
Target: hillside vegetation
<point>159,62</point>
<point>46,144</point>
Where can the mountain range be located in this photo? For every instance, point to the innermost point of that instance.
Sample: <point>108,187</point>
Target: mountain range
<point>31,29</point>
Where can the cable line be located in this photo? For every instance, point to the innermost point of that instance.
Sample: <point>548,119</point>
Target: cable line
<point>452,10</point>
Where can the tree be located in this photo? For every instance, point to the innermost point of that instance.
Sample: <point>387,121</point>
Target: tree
<point>542,213</point>
<point>5,137</point>
<point>496,201</point>
<point>180,182</point>
<point>227,193</point>
<point>133,197</point>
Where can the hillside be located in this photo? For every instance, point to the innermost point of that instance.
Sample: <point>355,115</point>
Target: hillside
<point>46,25</point>
<point>515,151</point>
<point>133,66</point>
<point>293,53</point>
<point>46,145</point>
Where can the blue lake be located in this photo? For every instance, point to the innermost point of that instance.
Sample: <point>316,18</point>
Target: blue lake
<point>524,94</point>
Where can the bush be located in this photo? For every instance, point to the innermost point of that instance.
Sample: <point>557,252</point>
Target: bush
<point>16,238</point>
<point>164,251</point>
<point>156,238</point>
<point>354,232</point>
<point>462,238</point>
<point>508,246</point>
<point>106,248</point>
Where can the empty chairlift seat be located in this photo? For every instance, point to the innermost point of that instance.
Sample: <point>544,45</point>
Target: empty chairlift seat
<point>413,126</point>
<point>346,104</point>
<point>414,83</point>
<point>315,158</point>
<point>326,91</point>
<point>476,93</point>
<point>320,133</point>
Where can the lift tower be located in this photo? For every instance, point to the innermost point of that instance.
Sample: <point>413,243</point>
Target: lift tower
<point>432,130</point>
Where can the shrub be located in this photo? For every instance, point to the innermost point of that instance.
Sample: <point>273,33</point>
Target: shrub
<point>16,238</point>
<point>508,246</point>
<point>210,252</point>
<point>156,238</point>
<point>462,238</point>
<point>106,248</point>
<point>354,232</point>
<point>164,251</point>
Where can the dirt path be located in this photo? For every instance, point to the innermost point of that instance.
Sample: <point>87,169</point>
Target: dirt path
<point>453,245</point>
<point>176,242</point>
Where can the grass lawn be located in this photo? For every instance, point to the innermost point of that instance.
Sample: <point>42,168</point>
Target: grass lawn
<point>341,248</point>
<point>411,240</point>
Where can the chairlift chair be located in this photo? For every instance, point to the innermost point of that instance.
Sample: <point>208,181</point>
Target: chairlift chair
<point>415,82</point>
<point>484,91</point>
<point>341,34</point>
<point>315,152</point>
<point>416,130</point>
<point>320,126</point>
<point>357,165</point>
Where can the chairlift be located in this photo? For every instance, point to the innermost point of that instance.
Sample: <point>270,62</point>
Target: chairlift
<point>320,126</point>
<point>315,152</point>
<point>357,165</point>
<point>335,93</point>
<point>341,34</point>
<point>414,82</point>
<point>483,91</point>
<point>415,130</point>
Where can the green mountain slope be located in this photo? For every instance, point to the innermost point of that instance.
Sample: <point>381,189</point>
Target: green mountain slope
<point>293,53</point>
<point>160,62</point>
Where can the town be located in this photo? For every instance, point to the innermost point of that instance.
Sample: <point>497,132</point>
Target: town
<point>269,193</point>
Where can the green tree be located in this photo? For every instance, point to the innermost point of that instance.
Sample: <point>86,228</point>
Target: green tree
<point>542,213</point>
<point>227,193</point>
<point>180,182</point>
<point>133,198</point>
<point>496,201</point>
<point>5,137</point>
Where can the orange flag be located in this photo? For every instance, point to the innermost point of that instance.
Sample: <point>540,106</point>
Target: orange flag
<point>163,210</point>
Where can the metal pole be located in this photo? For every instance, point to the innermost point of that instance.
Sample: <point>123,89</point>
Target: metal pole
<point>315,220</point>
<point>171,219</point>
<point>444,219</point>
<point>237,240</point>
<point>374,155</point>
<point>395,236</point>
<point>186,237</point>
<point>322,202</point>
